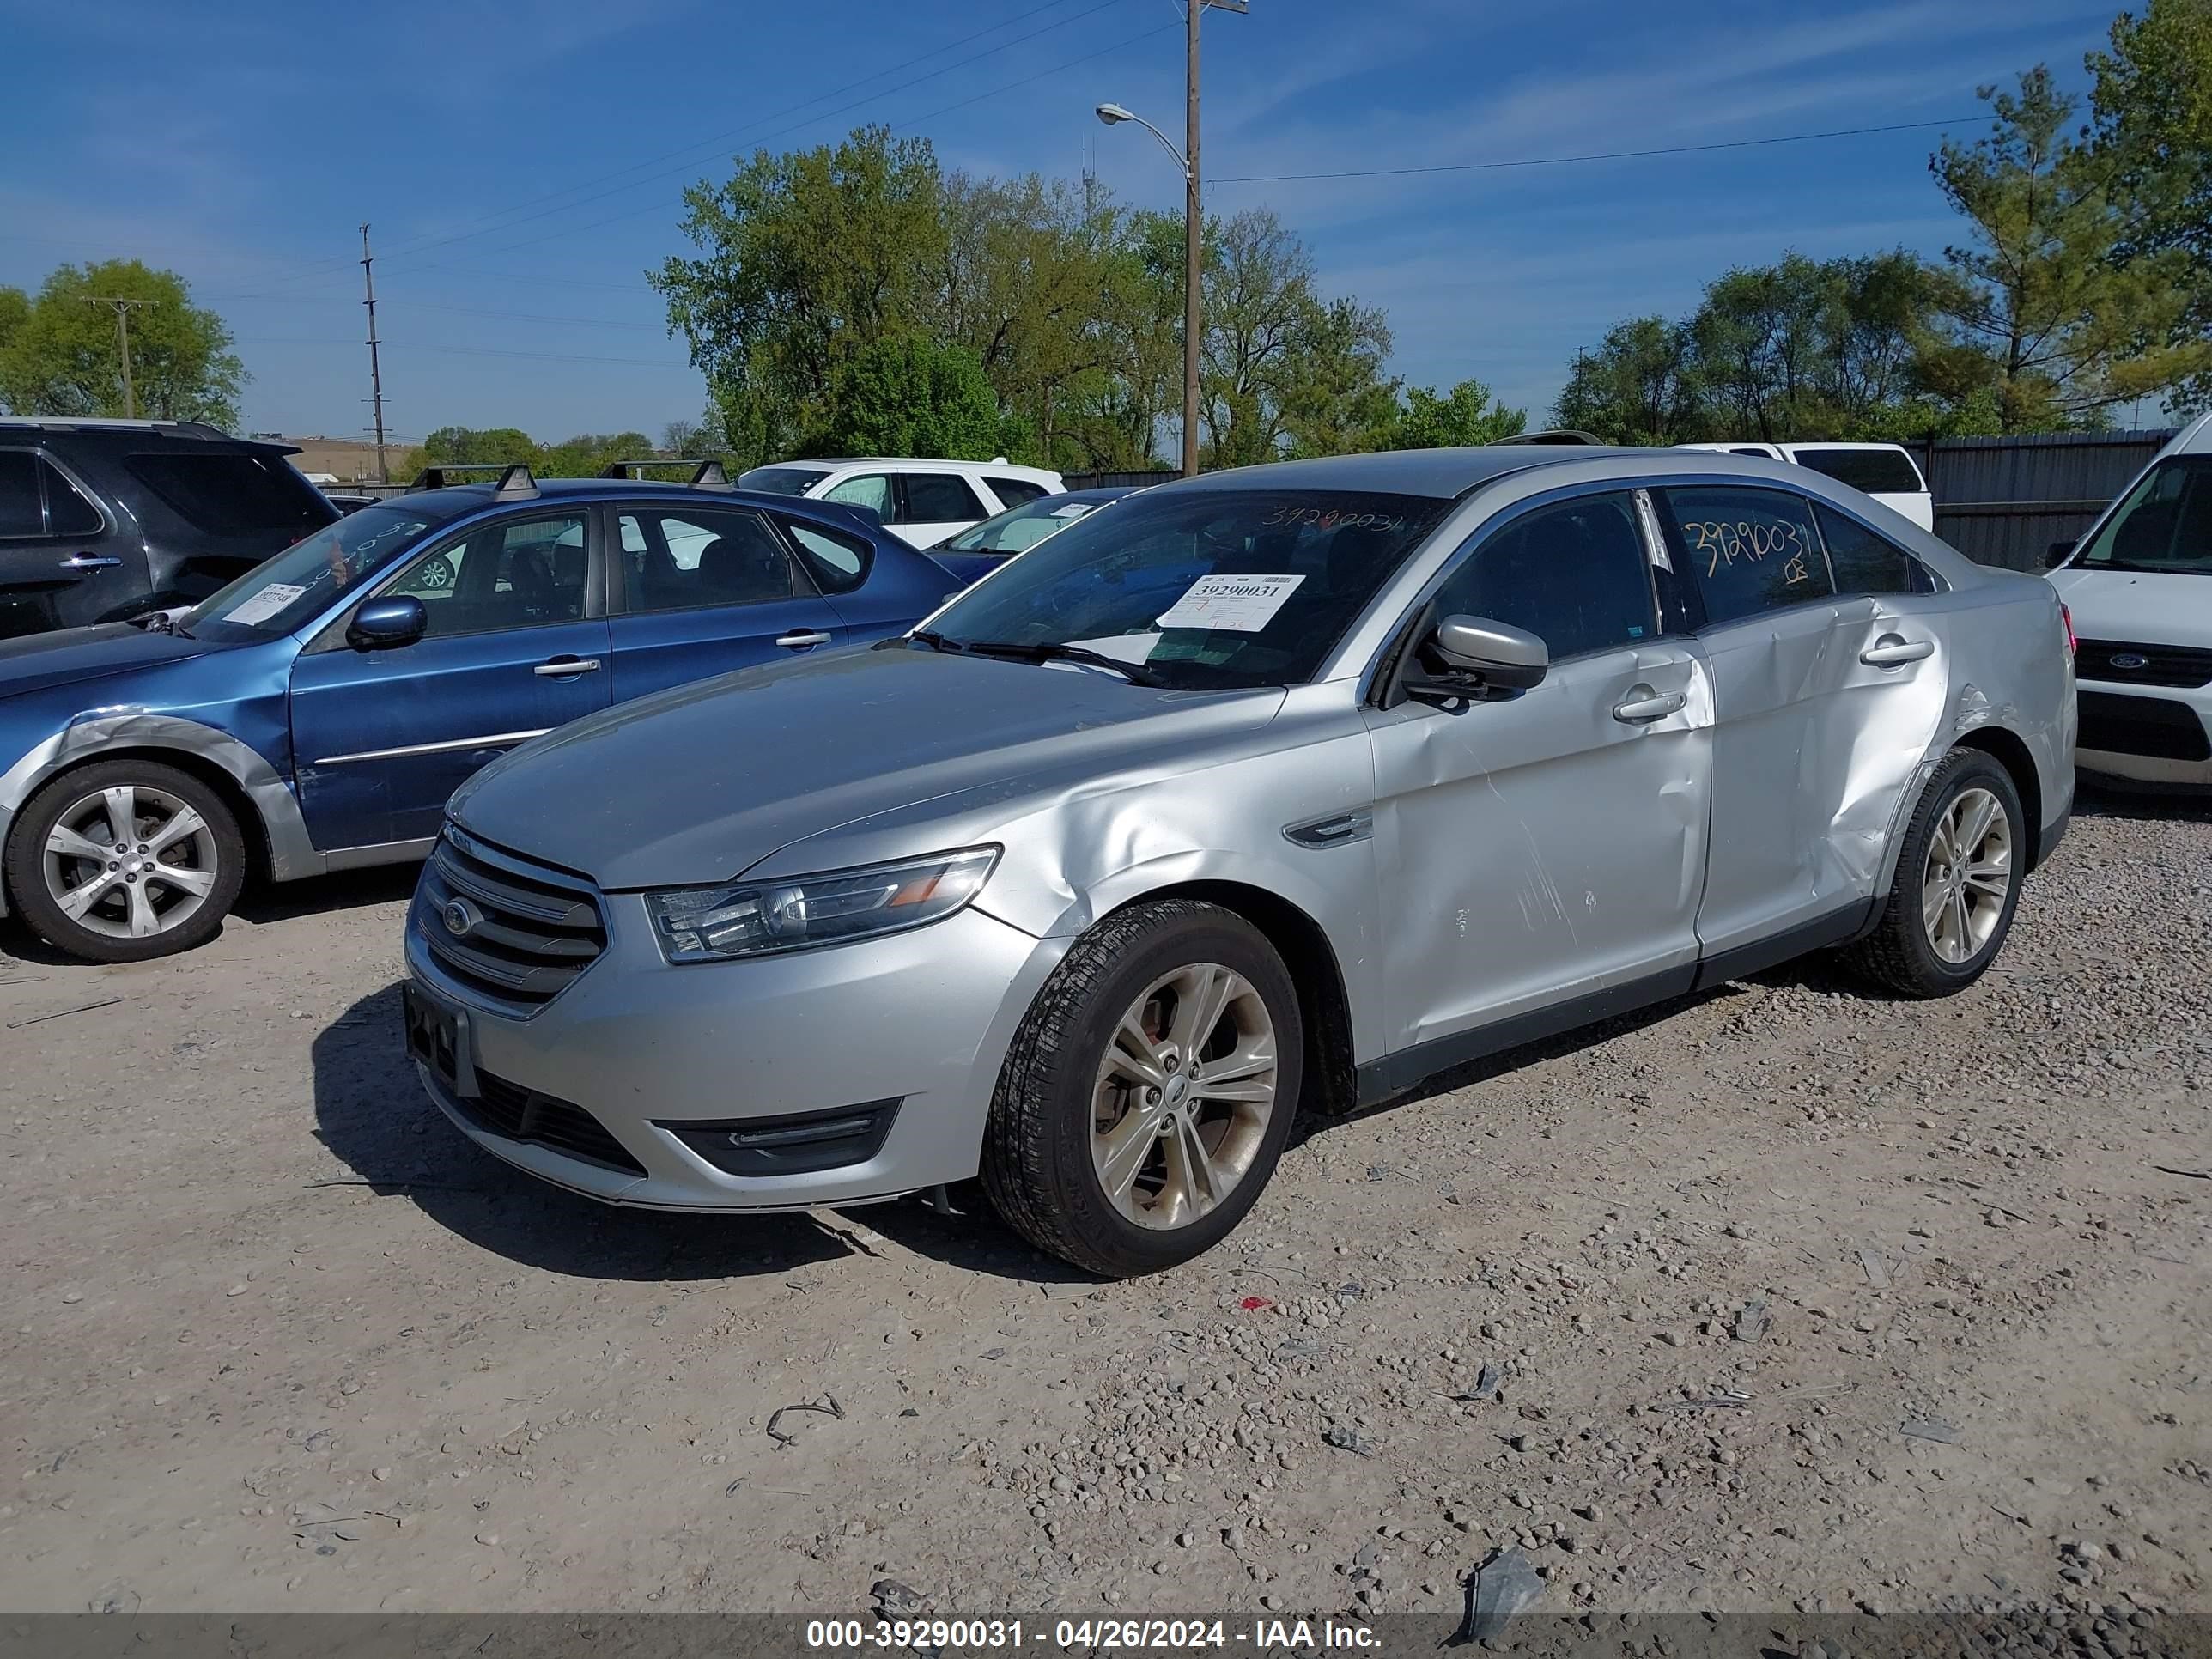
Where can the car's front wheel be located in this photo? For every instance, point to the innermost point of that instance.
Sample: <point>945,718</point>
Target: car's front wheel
<point>1150,1090</point>
<point>1957,885</point>
<point>125,861</point>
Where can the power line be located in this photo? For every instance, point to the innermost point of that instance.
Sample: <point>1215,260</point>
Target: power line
<point>464,351</point>
<point>1599,155</point>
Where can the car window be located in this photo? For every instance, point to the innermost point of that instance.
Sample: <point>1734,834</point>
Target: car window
<point>782,480</point>
<point>838,563</point>
<point>1017,492</point>
<point>68,512</point>
<point>1762,454</point>
<point>685,560</point>
<point>938,497</point>
<point>1863,562</point>
<point>228,493</point>
<point>1575,574</point>
<point>524,572</point>
<point>1205,588</point>
<point>290,589</point>
<point>1019,528</point>
<point>1876,471</point>
<point>1746,550</point>
<point>870,489</point>
<point>2164,524</point>
<point>20,512</point>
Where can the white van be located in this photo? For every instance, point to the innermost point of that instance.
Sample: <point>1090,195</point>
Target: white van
<point>1885,472</point>
<point>921,501</point>
<point>2139,585</point>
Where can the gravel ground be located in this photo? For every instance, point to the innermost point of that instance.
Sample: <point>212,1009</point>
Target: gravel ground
<point>1783,1298</point>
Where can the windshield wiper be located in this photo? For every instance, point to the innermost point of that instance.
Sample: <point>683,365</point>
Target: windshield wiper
<point>934,640</point>
<point>1135,673</point>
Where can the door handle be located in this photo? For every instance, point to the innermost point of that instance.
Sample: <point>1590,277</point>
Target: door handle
<point>560,668</point>
<point>1894,651</point>
<point>90,562</point>
<point>1644,705</point>
<point>804,639</point>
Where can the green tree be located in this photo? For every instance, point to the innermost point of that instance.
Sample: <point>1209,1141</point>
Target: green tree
<point>457,445</point>
<point>912,397</point>
<point>2050,315</point>
<point>587,455</point>
<point>2151,145</point>
<point>60,354</point>
<point>807,259</point>
<point>1468,413</point>
<point>1635,388</point>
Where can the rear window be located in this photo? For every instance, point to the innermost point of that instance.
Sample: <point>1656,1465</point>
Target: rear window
<point>1017,492</point>
<point>233,494</point>
<point>1875,471</point>
<point>782,480</point>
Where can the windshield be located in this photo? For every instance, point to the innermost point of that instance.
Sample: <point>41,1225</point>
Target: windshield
<point>2164,524</point>
<point>279,595</point>
<point>782,480</point>
<point>1019,528</point>
<point>1204,588</point>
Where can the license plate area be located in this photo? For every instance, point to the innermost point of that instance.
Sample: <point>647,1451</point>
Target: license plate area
<point>438,1038</point>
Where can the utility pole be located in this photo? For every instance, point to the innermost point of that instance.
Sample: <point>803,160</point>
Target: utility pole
<point>123,344</point>
<point>375,373</point>
<point>1193,242</point>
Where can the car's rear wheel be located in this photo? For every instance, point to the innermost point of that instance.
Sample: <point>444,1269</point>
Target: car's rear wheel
<point>1150,1090</point>
<point>1958,880</point>
<point>125,860</point>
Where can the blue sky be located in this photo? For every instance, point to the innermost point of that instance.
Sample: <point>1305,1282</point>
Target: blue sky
<point>522,163</point>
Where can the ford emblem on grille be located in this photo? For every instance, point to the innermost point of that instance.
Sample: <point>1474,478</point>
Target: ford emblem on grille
<point>461,918</point>
<point>2129,659</point>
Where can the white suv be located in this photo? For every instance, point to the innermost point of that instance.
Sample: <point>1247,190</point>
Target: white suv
<point>1885,472</point>
<point>921,501</point>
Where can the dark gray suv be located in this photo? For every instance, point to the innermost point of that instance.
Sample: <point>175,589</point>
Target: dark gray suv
<point>101,520</point>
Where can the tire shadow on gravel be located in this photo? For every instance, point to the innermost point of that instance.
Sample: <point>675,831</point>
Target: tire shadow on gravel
<point>2096,798</point>
<point>371,1112</point>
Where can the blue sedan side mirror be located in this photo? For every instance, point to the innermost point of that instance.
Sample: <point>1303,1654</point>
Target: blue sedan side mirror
<point>380,624</point>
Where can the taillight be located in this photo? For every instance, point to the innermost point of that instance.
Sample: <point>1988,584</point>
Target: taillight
<point>2067,617</point>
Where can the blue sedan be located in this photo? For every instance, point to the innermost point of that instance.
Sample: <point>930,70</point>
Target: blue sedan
<point>315,715</point>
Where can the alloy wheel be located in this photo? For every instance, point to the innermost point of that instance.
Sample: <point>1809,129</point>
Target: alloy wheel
<point>1183,1097</point>
<point>130,862</point>
<point>1969,875</point>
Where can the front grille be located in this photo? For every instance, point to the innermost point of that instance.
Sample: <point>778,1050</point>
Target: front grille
<point>2153,728</point>
<point>2160,664</point>
<point>513,931</point>
<point>514,1113</point>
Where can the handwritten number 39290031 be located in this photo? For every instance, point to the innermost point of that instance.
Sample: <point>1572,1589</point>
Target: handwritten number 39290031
<point>1722,543</point>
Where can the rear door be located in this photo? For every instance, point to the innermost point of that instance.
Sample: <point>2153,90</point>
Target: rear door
<point>517,645</point>
<point>61,563</point>
<point>1824,703</point>
<point>703,590</point>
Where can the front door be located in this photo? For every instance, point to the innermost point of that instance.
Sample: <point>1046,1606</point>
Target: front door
<point>516,646</point>
<point>937,505</point>
<point>1546,848</point>
<point>61,563</point>
<point>1824,702</point>
<point>702,591</point>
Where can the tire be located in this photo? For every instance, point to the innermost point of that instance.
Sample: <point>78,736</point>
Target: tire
<point>139,915</point>
<point>1057,1090</point>
<point>1904,954</point>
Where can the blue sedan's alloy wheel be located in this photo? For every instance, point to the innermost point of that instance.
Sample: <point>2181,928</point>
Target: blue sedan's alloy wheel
<point>125,860</point>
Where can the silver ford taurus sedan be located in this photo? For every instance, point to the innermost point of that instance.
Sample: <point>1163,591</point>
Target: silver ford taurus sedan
<point>1278,789</point>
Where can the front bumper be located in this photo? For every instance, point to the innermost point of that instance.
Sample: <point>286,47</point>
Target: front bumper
<point>923,1019</point>
<point>2145,735</point>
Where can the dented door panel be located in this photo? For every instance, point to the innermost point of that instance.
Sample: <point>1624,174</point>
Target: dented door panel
<point>1535,849</point>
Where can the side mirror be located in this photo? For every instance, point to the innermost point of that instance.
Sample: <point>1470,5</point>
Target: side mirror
<point>2057,553</point>
<point>382,625</point>
<point>1499,656</point>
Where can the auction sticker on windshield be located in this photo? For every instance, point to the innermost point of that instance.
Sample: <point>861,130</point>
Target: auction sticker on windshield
<point>265,603</point>
<point>1238,605</point>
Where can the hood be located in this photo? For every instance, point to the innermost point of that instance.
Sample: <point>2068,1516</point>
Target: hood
<point>42,661</point>
<point>698,784</point>
<point>2153,608</point>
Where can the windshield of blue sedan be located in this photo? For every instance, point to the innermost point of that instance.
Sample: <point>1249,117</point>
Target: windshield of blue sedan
<point>1020,528</point>
<point>287,591</point>
<point>1199,588</point>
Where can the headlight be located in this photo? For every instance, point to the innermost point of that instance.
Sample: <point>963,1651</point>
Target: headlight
<point>714,924</point>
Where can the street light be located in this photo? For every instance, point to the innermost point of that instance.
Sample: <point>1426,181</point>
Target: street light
<point>1194,219</point>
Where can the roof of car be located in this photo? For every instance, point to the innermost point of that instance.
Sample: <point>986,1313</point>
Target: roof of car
<point>455,500</point>
<point>897,460</point>
<point>1443,473</point>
